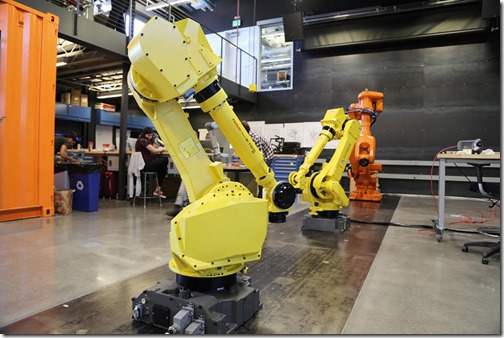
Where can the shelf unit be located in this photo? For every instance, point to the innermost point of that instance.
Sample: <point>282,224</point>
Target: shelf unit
<point>109,118</point>
<point>72,113</point>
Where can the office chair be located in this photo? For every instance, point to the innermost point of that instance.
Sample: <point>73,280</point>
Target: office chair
<point>490,191</point>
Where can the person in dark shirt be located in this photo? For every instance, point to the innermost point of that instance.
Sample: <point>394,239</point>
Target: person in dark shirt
<point>145,145</point>
<point>62,143</point>
<point>263,146</point>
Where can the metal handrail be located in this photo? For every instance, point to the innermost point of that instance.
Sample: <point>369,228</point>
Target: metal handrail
<point>182,15</point>
<point>237,65</point>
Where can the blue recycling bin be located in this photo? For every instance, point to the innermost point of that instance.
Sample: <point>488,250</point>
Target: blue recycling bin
<point>85,180</point>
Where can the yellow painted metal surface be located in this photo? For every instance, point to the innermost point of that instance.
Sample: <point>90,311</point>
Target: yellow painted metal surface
<point>27,109</point>
<point>225,225</point>
<point>215,235</point>
<point>323,189</point>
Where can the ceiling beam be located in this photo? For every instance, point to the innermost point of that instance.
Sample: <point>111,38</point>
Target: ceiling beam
<point>100,68</point>
<point>89,32</point>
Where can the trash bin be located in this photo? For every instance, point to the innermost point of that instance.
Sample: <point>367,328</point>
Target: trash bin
<point>63,201</point>
<point>61,178</point>
<point>85,180</point>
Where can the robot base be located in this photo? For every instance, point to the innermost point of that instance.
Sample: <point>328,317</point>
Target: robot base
<point>366,195</point>
<point>182,311</point>
<point>337,225</point>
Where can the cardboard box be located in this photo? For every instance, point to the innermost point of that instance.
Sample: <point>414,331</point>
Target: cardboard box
<point>84,100</point>
<point>65,98</point>
<point>75,97</point>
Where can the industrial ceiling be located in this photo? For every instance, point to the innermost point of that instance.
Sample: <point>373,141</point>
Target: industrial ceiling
<point>102,72</point>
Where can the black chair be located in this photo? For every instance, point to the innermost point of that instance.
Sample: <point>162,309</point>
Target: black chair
<point>492,192</point>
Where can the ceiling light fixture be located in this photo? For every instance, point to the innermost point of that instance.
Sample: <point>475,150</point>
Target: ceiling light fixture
<point>61,61</point>
<point>157,5</point>
<point>162,4</point>
<point>111,94</point>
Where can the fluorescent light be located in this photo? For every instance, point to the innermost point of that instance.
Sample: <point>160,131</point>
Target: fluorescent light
<point>182,1</point>
<point>107,96</point>
<point>155,6</point>
<point>61,61</point>
<point>162,4</point>
<point>111,94</point>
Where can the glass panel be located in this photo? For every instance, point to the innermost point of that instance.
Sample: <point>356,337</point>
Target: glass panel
<point>276,59</point>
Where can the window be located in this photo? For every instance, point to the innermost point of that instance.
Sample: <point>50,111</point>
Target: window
<point>275,58</point>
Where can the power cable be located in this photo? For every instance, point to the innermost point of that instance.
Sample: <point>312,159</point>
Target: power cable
<point>392,224</point>
<point>413,226</point>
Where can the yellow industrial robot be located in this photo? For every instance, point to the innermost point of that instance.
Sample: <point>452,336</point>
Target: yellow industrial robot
<point>364,170</point>
<point>322,189</point>
<point>225,225</point>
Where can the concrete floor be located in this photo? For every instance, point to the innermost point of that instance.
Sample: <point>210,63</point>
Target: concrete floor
<point>415,285</point>
<point>420,286</point>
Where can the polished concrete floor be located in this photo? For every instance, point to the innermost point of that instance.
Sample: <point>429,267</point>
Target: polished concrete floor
<point>77,273</point>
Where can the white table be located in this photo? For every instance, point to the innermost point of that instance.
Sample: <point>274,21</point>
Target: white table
<point>455,158</point>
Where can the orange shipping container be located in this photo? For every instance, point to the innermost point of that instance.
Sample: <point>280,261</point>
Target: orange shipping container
<point>27,105</point>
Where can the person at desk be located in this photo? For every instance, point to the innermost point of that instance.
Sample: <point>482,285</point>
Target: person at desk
<point>62,143</point>
<point>145,145</point>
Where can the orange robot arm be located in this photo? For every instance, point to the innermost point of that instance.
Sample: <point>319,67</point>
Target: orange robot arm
<point>364,170</point>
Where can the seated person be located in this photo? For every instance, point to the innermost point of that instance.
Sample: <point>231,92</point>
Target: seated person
<point>145,145</point>
<point>62,143</point>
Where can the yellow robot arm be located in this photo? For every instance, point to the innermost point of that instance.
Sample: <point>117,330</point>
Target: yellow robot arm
<point>323,189</point>
<point>211,237</point>
<point>330,124</point>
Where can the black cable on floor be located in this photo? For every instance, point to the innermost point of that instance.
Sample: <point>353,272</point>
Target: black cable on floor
<point>392,224</point>
<point>415,226</point>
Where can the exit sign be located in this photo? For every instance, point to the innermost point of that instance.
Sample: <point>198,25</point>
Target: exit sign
<point>236,21</point>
